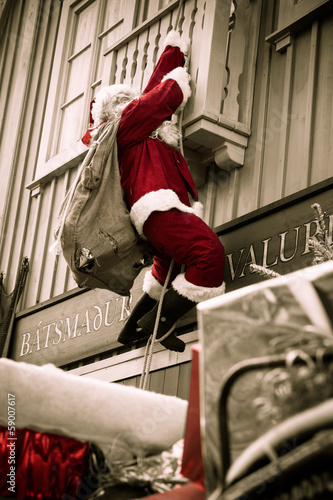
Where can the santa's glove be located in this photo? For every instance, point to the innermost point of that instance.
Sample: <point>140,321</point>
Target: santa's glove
<point>174,39</point>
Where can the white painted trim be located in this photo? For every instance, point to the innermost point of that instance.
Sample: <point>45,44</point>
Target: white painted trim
<point>130,364</point>
<point>60,163</point>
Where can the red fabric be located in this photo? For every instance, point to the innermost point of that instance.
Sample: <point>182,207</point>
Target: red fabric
<point>46,465</point>
<point>148,164</point>
<point>192,463</point>
<point>187,239</point>
<point>87,136</point>
<point>171,58</point>
<point>91,121</point>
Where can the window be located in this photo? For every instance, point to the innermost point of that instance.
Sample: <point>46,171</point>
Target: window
<point>144,9</point>
<point>86,30</point>
<point>84,61</point>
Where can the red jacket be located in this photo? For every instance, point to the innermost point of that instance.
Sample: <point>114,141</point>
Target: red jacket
<point>154,175</point>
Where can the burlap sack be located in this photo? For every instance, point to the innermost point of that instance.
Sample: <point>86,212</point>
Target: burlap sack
<point>98,241</point>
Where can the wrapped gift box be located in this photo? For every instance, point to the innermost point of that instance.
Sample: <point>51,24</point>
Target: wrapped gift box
<point>288,314</point>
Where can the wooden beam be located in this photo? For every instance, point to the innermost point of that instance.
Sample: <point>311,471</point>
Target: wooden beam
<point>130,364</point>
<point>300,24</point>
<point>5,7</point>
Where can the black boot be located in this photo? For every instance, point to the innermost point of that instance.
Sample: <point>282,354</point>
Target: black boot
<point>173,308</point>
<point>131,332</point>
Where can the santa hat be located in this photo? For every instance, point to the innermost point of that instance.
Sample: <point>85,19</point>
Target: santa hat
<point>103,107</point>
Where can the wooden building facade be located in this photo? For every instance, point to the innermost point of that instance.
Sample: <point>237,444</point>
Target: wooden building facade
<point>258,136</point>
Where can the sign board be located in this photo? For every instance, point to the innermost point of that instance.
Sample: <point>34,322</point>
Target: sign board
<point>81,326</point>
<point>89,323</point>
<point>277,240</point>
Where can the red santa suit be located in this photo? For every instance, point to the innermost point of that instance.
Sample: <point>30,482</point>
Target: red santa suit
<point>158,186</point>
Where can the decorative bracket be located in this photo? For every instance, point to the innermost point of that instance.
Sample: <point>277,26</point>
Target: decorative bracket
<point>229,155</point>
<point>226,141</point>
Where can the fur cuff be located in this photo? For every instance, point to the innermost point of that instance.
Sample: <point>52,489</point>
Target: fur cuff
<point>169,133</point>
<point>194,292</point>
<point>151,286</point>
<point>198,209</point>
<point>162,201</point>
<point>181,76</point>
<point>174,40</point>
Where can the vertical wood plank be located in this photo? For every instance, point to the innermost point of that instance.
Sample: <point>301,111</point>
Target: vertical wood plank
<point>45,271</point>
<point>129,10</point>
<point>247,78</point>
<point>286,109</point>
<point>236,53</point>
<point>156,381</point>
<point>270,142</point>
<point>29,249</point>
<point>188,19</point>
<point>131,382</point>
<point>9,44</point>
<point>38,248</point>
<point>24,40</point>
<point>18,227</point>
<point>211,193</point>
<point>322,140</point>
<point>233,194</point>
<point>61,189</point>
<point>226,195</point>
<point>251,176</point>
<point>310,103</point>
<point>171,380</point>
<point>149,56</point>
<point>208,38</point>
<point>184,380</point>
<point>296,171</point>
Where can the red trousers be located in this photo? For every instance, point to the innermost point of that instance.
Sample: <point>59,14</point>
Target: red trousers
<point>189,241</point>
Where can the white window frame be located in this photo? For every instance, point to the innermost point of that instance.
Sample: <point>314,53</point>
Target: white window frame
<point>50,165</point>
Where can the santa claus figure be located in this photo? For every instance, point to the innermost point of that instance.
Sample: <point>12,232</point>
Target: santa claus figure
<point>161,196</point>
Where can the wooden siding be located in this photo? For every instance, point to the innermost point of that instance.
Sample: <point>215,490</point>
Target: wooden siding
<point>290,147</point>
<point>172,381</point>
<point>28,44</point>
<point>288,150</point>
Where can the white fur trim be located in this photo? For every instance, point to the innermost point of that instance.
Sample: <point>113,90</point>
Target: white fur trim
<point>162,201</point>
<point>169,133</point>
<point>107,99</point>
<point>181,76</point>
<point>198,209</point>
<point>174,40</point>
<point>151,286</point>
<point>194,292</point>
